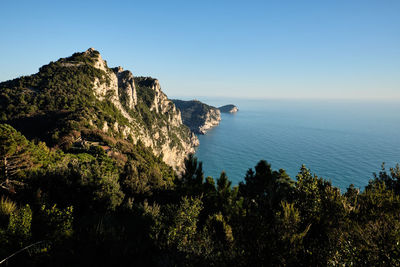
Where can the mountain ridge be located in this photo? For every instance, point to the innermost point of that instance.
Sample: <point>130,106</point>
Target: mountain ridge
<point>81,97</point>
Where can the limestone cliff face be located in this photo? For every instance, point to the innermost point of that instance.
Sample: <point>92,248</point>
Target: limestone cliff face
<point>199,117</point>
<point>153,118</point>
<point>126,87</point>
<point>212,119</point>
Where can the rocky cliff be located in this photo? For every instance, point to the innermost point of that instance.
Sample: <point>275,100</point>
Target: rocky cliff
<point>81,98</point>
<point>228,109</point>
<point>199,117</point>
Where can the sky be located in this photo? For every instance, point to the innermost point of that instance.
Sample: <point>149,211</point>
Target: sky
<point>333,49</point>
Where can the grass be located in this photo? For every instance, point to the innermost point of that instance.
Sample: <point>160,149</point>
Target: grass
<point>7,206</point>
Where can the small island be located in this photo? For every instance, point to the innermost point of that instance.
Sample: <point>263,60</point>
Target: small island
<point>229,109</point>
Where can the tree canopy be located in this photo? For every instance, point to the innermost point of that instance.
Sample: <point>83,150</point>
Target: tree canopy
<point>88,208</point>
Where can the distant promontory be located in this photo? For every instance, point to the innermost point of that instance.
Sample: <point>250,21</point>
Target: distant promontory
<point>198,116</point>
<point>229,109</point>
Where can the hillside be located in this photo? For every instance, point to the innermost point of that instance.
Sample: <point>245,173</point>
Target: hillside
<point>95,194</point>
<point>80,99</point>
<point>199,117</point>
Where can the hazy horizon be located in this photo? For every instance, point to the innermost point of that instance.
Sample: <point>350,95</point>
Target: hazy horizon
<point>254,49</point>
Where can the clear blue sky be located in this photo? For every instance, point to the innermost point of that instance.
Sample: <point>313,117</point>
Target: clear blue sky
<point>268,49</point>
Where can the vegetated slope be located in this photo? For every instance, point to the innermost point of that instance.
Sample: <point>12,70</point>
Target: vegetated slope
<point>199,117</point>
<point>80,99</point>
<point>86,209</point>
<point>112,203</point>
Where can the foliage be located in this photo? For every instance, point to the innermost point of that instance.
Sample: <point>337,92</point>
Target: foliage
<point>83,203</point>
<point>20,222</point>
<point>7,206</point>
<point>58,222</point>
<point>18,155</point>
<point>90,206</point>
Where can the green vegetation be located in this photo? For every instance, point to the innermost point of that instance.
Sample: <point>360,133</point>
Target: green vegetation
<point>74,195</point>
<point>58,99</point>
<point>93,209</point>
<point>57,105</point>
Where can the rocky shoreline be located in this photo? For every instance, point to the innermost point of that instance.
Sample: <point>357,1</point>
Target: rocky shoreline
<point>200,117</point>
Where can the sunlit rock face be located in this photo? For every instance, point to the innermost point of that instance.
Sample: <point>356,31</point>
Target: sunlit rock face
<point>166,134</point>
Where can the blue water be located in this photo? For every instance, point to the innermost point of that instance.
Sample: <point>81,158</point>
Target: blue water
<point>342,141</point>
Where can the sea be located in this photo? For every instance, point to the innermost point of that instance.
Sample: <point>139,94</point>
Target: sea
<point>344,141</point>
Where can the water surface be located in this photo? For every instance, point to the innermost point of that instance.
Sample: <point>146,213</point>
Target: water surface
<point>342,141</point>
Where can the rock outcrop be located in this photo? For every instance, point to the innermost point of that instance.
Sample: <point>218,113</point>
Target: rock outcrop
<point>228,109</point>
<point>96,100</point>
<point>164,131</point>
<point>199,117</point>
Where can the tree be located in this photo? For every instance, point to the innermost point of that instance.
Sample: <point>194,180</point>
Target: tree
<point>193,176</point>
<point>17,155</point>
<point>267,187</point>
<point>391,179</point>
<point>185,241</point>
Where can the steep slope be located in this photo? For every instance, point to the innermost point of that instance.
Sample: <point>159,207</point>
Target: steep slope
<point>199,117</point>
<point>80,99</point>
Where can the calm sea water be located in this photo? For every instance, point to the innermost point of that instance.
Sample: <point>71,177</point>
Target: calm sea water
<point>342,141</point>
